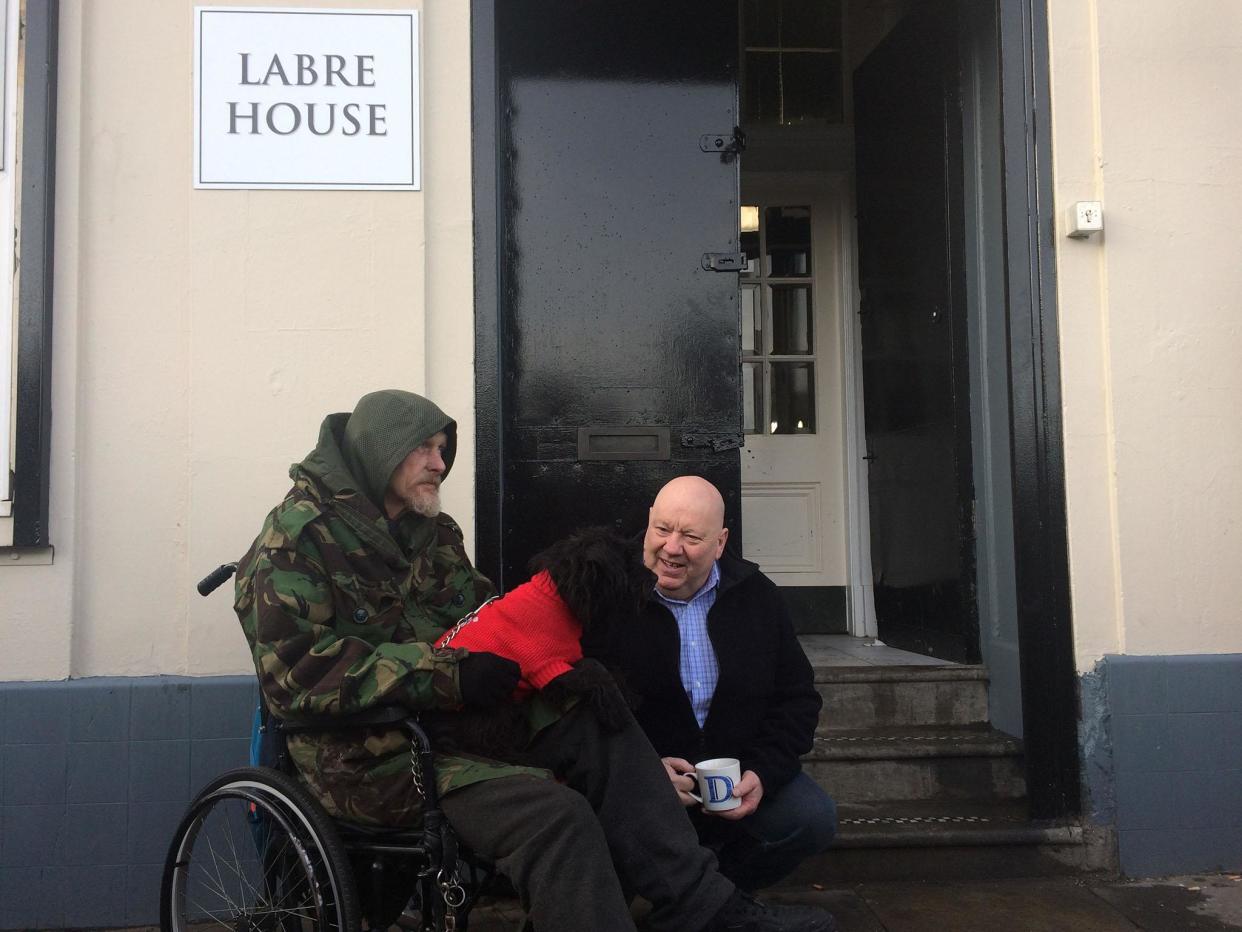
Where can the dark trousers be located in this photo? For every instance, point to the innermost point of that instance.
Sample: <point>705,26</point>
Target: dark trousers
<point>791,824</point>
<point>570,848</point>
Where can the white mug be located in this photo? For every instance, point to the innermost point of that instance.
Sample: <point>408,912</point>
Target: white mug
<point>717,778</point>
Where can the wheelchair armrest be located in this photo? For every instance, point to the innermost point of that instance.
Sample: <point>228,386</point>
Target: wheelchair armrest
<point>381,716</point>
<point>371,718</point>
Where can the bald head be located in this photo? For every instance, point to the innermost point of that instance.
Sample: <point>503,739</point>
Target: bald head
<point>685,535</point>
<point>693,494</point>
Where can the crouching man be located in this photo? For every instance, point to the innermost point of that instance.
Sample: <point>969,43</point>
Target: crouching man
<point>720,674</point>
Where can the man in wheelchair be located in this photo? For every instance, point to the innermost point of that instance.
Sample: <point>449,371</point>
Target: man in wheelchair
<point>354,576</point>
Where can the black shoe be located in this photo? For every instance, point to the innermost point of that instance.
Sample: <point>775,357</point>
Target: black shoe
<point>743,913</point>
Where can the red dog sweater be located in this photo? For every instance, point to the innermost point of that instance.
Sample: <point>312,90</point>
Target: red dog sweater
<point>529,625</point>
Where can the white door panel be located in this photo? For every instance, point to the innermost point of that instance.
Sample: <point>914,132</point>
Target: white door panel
<point>782,526</point>
<point>793,487</point>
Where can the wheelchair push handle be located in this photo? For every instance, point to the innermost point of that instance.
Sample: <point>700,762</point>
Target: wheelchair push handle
<point>213,580</point>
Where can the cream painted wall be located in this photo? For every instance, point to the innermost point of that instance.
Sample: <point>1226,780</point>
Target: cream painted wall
<point>1145,120</point>
<point>202,335</point>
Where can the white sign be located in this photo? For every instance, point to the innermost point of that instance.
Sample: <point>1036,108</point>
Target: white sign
<point>299,98</point>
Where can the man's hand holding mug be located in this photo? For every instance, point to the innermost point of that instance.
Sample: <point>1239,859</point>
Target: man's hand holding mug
<point>722,789</point>
<point>749,790</point>
<point>681,774</point>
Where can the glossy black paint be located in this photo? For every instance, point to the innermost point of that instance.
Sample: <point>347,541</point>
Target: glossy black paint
<point>32,451</point>
<point>914,336</point>
<point>1041,551</point>
<point>605,204</point>
<point>1049,682</point>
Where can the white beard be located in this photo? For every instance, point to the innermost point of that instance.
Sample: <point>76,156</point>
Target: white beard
<point>426,504</point>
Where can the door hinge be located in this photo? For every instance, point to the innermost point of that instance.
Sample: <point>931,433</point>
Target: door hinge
<point>729,143</point>
<point>724,261</point>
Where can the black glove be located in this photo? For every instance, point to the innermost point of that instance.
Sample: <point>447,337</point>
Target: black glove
<point>487,679</point>
<point>595,688</point>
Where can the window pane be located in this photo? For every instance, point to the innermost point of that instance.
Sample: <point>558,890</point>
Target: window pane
<point>750,320</point>
<point>752,397</point>
<point>797,23</point>
<point>759,18</point>
<point>761,93</point>
<point>791,320</point>
<point>793,398</point>
<point>748,224</point>
<point>792,63</point>
<point>748,218</point>
<point>810,87</point>
<point>814,24</point>
<point>789,240</point>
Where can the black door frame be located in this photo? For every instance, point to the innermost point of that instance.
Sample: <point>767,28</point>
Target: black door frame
<point>488,217</point>
<point>1041,547</point>
<point>1049,680</point>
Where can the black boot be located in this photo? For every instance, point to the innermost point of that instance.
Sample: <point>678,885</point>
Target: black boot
<point>743,913</point>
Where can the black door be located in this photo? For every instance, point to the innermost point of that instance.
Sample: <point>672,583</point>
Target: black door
<point>619,352</point>
<point>914,338</point>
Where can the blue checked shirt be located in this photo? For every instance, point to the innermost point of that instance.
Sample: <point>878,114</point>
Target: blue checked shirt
<point>700,670</point>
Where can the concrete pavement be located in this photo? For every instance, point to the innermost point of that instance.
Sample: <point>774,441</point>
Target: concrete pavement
<point>1200,903</point>
<point>1196,903</point>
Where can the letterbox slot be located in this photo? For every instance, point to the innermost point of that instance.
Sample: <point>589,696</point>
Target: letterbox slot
<point>623,443</point>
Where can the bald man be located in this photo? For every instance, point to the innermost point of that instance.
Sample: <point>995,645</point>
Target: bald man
<point>720,673</point>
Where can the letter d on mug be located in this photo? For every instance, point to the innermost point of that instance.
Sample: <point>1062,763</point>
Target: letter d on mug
<point>717,778</point>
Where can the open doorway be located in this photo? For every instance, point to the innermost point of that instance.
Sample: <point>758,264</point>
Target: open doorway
<point>873,133</point>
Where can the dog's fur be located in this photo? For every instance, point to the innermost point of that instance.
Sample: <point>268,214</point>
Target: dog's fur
<point>600,577</point>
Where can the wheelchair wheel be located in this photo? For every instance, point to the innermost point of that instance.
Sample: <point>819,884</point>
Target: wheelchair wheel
<point>256,854</point>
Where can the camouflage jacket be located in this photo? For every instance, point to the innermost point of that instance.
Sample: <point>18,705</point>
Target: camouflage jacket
<point>341,608</point>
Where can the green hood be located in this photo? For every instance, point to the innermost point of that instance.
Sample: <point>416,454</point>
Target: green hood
<point>361,450</point>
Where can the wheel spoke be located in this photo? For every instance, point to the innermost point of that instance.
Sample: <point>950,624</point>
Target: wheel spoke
<point>219,889</point>
<point>236,863</point>
<point>250,859</point>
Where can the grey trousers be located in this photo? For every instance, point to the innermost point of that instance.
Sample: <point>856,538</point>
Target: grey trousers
<point>570,848</point>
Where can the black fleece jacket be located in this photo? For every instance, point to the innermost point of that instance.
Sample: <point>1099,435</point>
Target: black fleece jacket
<point>765,707</point>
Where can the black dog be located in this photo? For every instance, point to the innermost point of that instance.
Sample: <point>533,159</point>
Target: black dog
<point>582,587</point>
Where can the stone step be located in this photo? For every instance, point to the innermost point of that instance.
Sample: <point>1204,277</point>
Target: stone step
<point>893,697</point>
<point>918,763</point>
<point>946,840</point>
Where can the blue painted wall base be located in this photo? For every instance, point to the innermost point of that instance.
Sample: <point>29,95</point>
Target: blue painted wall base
<point>95,774</point>
<point>1162,747</point>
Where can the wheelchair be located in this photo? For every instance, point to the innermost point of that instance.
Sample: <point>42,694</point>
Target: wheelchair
<point>255,852</point>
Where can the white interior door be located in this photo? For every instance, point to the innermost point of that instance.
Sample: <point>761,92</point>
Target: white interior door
<point>804,485</point>
<point>793,479</point>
